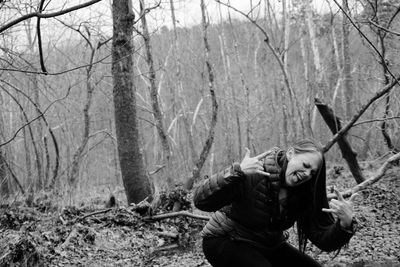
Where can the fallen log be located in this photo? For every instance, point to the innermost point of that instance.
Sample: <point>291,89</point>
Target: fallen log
<point>348,153</point>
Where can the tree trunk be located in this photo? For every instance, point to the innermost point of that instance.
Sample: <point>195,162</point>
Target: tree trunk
<point>134,175</point>
<point>285,56</point>
<point>245,87</point>
<point>385,73</point>
<point>4,184</point>
<point>39,135</point>
<point>157,113</point>
<point>4,188</point>
<point>348,154</point>
<point>309,122</point>
<point>319,78</point>
<point>210,138</point>
<point>227,69</point>
<point>348,92</point>
<point>77,158</point>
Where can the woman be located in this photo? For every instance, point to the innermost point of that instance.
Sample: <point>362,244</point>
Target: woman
<point>257,200</point>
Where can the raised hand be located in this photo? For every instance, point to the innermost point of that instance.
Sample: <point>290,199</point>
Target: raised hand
<point>342,209</point>
<point>254,164</point>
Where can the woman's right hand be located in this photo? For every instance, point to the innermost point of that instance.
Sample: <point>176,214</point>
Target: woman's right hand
<point>254,164</point>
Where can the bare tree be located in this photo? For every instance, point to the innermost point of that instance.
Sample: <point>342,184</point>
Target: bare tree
<point>210,138</point>
<point>73,175</point>
<point>347,83</point>
<point>155,103</point>
<point>134,175</point>
<point>228,70</point>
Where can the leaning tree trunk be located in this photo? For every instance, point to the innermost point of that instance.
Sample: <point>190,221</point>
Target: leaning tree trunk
<point>134,175</point>
<point>348,153</point>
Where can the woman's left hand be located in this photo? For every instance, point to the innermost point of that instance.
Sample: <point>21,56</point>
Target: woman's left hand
<point>342,209</point>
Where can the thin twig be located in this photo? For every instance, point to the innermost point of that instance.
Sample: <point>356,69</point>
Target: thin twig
<point>176,214</point>
<point>94,213</point>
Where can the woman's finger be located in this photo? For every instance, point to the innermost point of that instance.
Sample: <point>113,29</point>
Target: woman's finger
<point>263,173</point>
<point>262,155</point>
<point>259,163</point>
<point>335,201</point>
<point>334,206</point>
<point>328,210</point>
<point>247,153</point>
<point>339,195</point>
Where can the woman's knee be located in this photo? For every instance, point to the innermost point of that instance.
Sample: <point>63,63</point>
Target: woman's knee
<point>226,252</point>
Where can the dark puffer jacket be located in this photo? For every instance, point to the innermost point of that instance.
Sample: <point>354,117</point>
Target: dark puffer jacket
<point>247,207</point>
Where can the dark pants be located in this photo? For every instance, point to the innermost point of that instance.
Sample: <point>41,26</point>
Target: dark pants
<point>222,251</point>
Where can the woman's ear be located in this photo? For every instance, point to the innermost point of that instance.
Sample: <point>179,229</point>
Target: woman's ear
<point>290,153</point>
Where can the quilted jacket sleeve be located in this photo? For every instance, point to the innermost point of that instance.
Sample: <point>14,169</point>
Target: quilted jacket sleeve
<point>219,190</point>
<point>329,238</point>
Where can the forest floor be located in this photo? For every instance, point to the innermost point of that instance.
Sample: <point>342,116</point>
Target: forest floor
<point>93,235</point>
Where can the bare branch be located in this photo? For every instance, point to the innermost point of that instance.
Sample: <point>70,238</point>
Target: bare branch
<point>379,174</point>
<point>57,73</point>
<point>57,157</point>
<point>39,35</point>
<point>369,121</point>
<point>177,214</point>
<point>379,94</point>
<point>383,28</point>
<point>369,41</point>
<point>48,15</point>
<point>34,119</point>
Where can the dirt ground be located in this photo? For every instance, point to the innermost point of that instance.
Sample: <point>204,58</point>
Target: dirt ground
<point>92,235</point>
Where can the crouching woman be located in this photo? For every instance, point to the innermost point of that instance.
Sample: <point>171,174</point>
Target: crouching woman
<point>256,200</point>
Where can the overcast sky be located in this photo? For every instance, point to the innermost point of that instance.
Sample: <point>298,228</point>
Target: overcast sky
<point>188,11</point>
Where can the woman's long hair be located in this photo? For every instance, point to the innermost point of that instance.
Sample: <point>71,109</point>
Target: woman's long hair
<point>315,193</point>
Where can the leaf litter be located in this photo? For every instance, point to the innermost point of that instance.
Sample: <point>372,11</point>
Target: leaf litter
<point>43,235</point>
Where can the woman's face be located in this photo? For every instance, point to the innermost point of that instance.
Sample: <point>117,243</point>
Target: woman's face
<point>301,167</point>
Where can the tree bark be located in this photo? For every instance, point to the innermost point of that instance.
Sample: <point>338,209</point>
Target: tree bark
<point>348,153</point>
<point>348,92</point>
<point>134,175</point>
